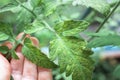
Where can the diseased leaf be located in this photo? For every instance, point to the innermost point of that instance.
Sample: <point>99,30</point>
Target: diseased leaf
<point>104,40</point>
<point>37,57</point>
<point>50,6</point>
<point>73,57</point>
<point>100,5</point>
<point>5,28</point>
<point>4,49</point>
<point>3,36</point>
<point>71,28</point>
<point>35,26</point>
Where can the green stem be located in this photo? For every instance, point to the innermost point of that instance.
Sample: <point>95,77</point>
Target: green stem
<point>18,41</point>
<point>26,8</point>
<point>106,19</point>
<point>50,28</point>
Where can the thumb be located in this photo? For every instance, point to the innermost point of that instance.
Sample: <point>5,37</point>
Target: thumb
<point>5,69</point>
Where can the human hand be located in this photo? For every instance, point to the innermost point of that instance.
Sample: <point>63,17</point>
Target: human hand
<point>22,69</point>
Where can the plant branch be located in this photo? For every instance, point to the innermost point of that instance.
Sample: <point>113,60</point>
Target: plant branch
<point>106,19</point>
<point>50,28</point>
<point>26,8</point>
<point>19,41</point>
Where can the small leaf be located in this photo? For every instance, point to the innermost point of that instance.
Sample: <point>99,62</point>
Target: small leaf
<point>4,49</point>
<point>50,6</point>
<point>100,5</point>
<point>71,28</point>
<point>5,28</point>
<point>35,26</point>
<point>35,3</point>
<point>3,36</point>
<point>104,40</point>
<point>14,56</point>
<point>37,57</point>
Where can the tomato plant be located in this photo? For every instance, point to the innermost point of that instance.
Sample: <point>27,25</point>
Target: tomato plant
<point>72,52</point>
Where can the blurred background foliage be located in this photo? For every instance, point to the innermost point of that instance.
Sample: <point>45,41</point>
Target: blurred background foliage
<point>106,69</point>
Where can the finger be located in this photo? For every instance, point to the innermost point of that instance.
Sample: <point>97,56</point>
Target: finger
<point>17,66</point>
<point>29,71</point>
<point>19,48</point>
<point>5,70</point>
<point>44,74</point>
<point>110,54</point>
<point>20,35</point>
<point>8,44</point>
<point>35,41</point>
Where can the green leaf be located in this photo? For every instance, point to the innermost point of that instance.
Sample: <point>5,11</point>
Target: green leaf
<point>10,8</point>
<point>5,28</point>
<point>4,49</point>
<point>27,40</point>
<point>37,57</point>
<point>35,26</point>
<point>35,3</point>
<point>3,36</point>
<point>73,57</point>
<point>50,6</point>
<point>116,72</point>
<point>104,40</point>
<point>71,28</point>
<point>14,56</point>
<point>100,5</point>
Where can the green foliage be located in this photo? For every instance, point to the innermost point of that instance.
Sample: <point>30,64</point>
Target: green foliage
<point>4,49</point>
<point>33,27</point>
<point>116,72</point>
<point>35,3</point>
<point>104,40</point>
<point>71,28</point>
<point>50,6</point>
<point>3,36</point>
<point>6,29</point>
<point>72,58</point>
<point>72,55</point>
<point>33,54</point>
<point>100,5</point>
<point>13,54</point>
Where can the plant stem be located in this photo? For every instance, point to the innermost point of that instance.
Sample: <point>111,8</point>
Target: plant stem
<point>50,28</point>
<point>26,8</point>
<point>18,41</point>
<point>106,19</point>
